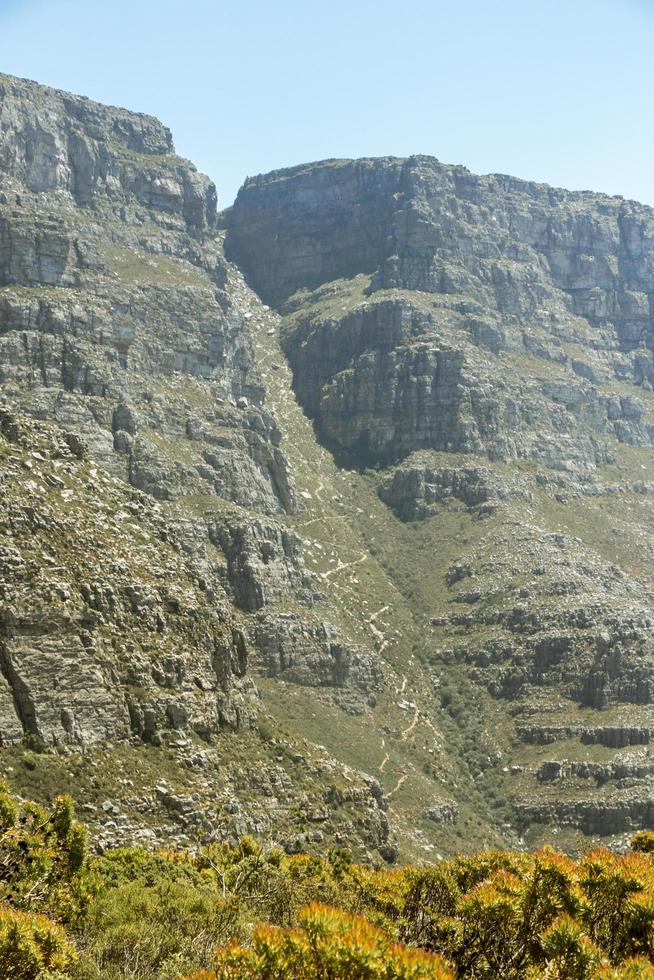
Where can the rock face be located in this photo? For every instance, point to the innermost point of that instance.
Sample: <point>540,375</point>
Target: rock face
<point>263,562</point>
<point>462,275</point>
<point>315,657</point>
<point>105,631</point>
<point>308,225</point>
<point>421,225</point>
<point>493,340</point>
<point>63,144</point>
<point>115,315</point>
<point>457,620</point>
<point>415,492</point>
<point>143,472</point>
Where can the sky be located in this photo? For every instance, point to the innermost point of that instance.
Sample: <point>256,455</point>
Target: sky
<point>560,91</point>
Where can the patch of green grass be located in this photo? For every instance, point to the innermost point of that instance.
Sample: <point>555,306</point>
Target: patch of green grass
<point>132,265</point>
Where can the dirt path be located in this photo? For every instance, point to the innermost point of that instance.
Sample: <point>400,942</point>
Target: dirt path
<point>397,786</point>
<point>428,722</point>
<point>380,637</point>
<point>343,565</point>
<point>407,731</point>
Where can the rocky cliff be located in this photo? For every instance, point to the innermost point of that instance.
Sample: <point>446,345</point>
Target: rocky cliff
<point>460,277</point>
<point>142,538</point>
<point>107,629</point>
<point>327,518</point>
<point>486,345</point>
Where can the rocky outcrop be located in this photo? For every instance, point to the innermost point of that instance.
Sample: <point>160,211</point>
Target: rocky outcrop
<point>601,772</point>
<point>388,378</point>
<point>373,394</point>
<point>263,562</point>
<point>105,632</point>
<point>314,656</point>
<point>549,613</point>
<point>64,145</point>
<point>307,225</point>
<point>414,492</point>
<point>516,246</point>
<point>116,316</point>
<point>612,736</point>
<point>595,818</point>
<point>457,273</point>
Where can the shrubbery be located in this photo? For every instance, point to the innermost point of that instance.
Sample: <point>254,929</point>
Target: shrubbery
<point>246,911</point>
<point>33,946</point>
<point>43,857</point>
<point>43,877</point>
<point>329,943</point>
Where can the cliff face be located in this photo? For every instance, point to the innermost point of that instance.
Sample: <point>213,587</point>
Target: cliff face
<point>465,276</point>
<point>133,570</point>
<point>450,649</point>
<point>90,154</point>
<point>107,630</point>
<point>111,277</point>
<point>311,224</point>
<point>422,225</point>
<point>486,345</point>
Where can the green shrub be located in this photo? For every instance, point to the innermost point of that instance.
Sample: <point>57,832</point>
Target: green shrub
<point>143,915</point>
<point>643,841</point>
<point>32,947</point>
<point>43,856</point>
<point>329,944</point>
<point>159,930</point>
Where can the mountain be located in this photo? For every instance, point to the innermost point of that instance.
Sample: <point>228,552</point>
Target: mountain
<point>328,516</point>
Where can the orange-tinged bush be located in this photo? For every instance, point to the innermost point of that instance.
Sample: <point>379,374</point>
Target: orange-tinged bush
<point>637,968</point>
<point>619,890</point>
<point>537,915</point>
<point>567,951</point>
<point>31,945</point>
<point>328,944</point>
<point>498,914</point>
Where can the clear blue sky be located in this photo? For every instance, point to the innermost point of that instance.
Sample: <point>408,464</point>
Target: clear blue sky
<point>554,90</point>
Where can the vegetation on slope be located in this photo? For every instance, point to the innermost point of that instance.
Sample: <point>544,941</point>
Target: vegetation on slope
<point>244,911</point>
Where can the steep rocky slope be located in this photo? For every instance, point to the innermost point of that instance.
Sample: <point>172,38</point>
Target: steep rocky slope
<point>216,619</point>
<point>107,631</point>
<point>484,346</point>
<point>122,324</point>
<point>468,276</point>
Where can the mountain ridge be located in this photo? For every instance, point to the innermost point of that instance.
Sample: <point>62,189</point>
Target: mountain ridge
<point>400,484</point>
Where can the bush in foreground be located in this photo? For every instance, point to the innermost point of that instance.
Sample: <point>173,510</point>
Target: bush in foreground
<point>32,947</point>
<point>327,944</point>
<point>245,911</point>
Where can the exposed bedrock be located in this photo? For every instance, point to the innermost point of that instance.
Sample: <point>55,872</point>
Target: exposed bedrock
<point>105,630</point>
<point>422,225</point>
<point>461,286</point>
